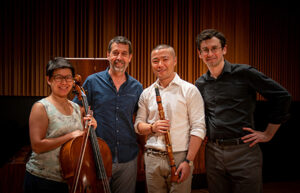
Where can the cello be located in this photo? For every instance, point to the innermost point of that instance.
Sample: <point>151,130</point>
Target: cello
<point>83,166</point>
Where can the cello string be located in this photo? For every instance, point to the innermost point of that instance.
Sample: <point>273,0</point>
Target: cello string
<point>80,163</point>
<point>98,158</point>
<point>104,184</point>
<point>102,169</point>
<point>98,161</point>
<point>93,139</point>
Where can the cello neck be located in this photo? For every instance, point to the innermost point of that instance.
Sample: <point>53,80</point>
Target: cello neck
<point>99,165</point>
<point>100,170</point>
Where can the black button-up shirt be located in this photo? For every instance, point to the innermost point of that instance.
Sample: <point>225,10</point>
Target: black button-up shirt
<point>114,111</point>
<point>231,98</point>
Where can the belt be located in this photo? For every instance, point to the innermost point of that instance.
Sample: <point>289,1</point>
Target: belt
<point>156,152</point>
<point>227,142</point>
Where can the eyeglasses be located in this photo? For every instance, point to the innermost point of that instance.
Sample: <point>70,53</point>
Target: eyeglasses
<point>205,51</point>
<point>60,78</point>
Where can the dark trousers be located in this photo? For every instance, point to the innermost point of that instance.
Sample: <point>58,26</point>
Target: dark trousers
<point>34,184</point>
<point>233,168</point>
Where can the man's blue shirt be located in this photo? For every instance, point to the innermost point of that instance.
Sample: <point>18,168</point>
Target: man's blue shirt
<point>114,111</point>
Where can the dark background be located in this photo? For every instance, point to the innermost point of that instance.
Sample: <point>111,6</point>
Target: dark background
<point>261,33</point>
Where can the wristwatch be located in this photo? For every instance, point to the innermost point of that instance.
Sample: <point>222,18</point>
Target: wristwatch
<point>189,162</point>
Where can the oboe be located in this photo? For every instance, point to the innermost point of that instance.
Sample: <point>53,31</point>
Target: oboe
<point>174,177</point>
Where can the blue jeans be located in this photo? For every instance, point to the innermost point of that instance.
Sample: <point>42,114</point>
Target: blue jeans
<point>34,184</point>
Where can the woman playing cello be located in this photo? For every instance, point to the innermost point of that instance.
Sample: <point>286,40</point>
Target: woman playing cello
<point>53,121</point>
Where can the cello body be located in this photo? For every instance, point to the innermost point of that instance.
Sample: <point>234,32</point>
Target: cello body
<point>88,182</point>
<point>86,160</point>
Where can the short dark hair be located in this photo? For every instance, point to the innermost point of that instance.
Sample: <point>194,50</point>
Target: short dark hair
<point>164,46</point>
<point>120,40</point>
<point>58,63</point>
<point>208,34</point>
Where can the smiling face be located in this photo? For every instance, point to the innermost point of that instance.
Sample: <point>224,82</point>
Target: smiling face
<point>163,62</point>
<point>119,57</point>
<point>211,52</point>
<point>61,82</point>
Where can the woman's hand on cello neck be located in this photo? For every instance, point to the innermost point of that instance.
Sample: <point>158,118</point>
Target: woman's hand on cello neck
<point>91,121</point>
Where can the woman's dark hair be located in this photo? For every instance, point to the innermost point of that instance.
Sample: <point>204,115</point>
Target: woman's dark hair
<point>58,63</point>
<point>208,34</point>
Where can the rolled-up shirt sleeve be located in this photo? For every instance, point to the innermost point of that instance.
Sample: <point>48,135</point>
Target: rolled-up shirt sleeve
<point>196,113</point>
<point>142,111</point>
<point>279,99</point>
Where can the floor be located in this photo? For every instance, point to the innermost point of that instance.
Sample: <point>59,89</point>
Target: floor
<point>272,187</point>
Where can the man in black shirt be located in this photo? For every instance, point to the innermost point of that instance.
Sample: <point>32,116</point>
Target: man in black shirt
<point>233,157</point>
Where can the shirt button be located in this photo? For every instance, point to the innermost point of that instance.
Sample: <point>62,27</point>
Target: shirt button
<point>117,131</point>
<point>117,118</point>
<point>117,107</point>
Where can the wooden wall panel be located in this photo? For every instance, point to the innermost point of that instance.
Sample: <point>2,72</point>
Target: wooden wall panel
<point>274,42</point>
<point>35,31</point>
<point>177,22</point>
<point>262,35</point>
